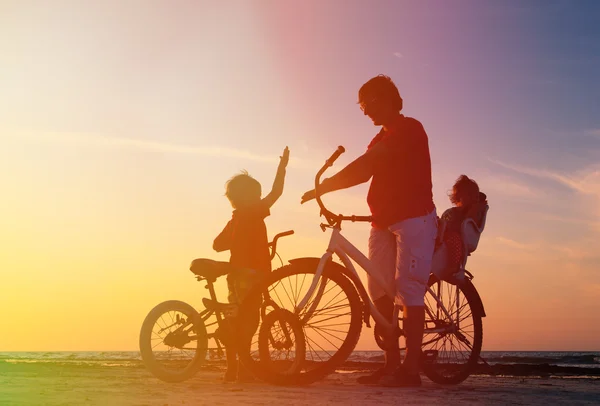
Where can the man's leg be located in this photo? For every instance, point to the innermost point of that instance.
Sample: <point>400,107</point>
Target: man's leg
<point>382,253</point>
<point>414,323</point>
<point>385,306</point>
<point>415,244</point>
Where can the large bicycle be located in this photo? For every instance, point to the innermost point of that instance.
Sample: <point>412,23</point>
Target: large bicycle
<point>174,338</point>
<point>328,303</point>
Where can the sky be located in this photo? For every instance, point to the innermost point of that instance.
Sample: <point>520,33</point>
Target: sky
<point>120,123</point>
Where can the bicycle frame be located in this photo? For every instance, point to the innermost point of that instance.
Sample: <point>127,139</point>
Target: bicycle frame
<point>344,249</point>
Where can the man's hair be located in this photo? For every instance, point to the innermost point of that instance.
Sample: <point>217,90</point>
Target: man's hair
<point>382,88</point>
<point>242,189</point>
<point>464,186</point>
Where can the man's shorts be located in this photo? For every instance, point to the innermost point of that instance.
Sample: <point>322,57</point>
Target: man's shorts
<point>401,256</point>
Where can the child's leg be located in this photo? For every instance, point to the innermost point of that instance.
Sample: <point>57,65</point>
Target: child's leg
<point>230,331</point>
<point>247,327</point>
<point>455,248</point>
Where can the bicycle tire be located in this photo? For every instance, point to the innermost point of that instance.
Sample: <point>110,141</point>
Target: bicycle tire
<point>146,347</point>
<point>457,374</point>
<point>307,377</point>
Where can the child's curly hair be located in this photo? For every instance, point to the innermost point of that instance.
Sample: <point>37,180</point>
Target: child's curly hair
<point>242,189</point>
<point>463,187</point>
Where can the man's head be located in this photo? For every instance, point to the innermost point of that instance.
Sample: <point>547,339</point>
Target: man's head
<point>242,190</point>
<point>380,100</point>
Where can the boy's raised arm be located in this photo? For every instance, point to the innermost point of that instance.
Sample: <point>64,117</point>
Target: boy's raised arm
<point>277,189</point>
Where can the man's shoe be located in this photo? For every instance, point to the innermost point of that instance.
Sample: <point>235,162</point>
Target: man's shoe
<point>373,378</point>
<point>244,375</point>
<point>401,379</point>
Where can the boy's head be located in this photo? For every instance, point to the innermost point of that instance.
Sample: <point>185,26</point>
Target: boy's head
<point>242,190</point>
<point>464,192</point>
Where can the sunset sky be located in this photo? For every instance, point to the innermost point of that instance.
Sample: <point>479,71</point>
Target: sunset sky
<point>121,121</point>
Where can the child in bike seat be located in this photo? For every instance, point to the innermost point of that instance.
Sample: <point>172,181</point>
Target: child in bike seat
<point>245,236</point>
<point>468,202</point>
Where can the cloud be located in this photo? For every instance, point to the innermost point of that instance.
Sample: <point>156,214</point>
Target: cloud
<point>508,187</point>
<point>595,132</point>
<point>586,181</point>
<point>577,221</point>
<point>121,142</point>
<point>398,55</point>
<point>591,290</point>
<point>515,244</point>
<point>578,252</point>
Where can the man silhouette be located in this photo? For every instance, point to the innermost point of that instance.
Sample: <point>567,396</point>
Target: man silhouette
<point>404,227</point>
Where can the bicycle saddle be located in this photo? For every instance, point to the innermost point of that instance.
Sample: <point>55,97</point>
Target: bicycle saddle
<point>210,269</point>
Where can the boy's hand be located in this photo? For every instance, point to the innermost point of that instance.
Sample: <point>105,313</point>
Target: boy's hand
<point>311,194</point>
<point>284,158</point>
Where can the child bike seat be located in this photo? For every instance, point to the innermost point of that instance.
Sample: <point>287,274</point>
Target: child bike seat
<point>210,269</point>
<point>471,231</point>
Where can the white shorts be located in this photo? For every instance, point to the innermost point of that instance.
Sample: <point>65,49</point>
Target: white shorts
<point>401,256</point>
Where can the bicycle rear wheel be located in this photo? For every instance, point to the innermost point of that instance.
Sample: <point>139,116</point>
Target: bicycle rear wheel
<point>452,346</point>
<point>330,332</point>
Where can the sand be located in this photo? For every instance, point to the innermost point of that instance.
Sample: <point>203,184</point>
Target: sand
<point>51,384</point>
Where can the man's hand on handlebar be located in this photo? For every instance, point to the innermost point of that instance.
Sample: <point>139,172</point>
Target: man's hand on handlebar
<point>312,194</point>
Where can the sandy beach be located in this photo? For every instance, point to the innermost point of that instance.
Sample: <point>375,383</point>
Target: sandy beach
<point>52,384</point>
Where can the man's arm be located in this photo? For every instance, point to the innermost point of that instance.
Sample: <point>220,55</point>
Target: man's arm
<point>277,189</point>
<point>223,240</point>
<point>356,172</point>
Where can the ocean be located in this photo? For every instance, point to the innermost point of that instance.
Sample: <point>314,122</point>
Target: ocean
<point>133,359</point>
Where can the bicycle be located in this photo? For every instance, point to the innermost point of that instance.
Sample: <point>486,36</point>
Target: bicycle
<point>183,332</point>
<point>335,295</point>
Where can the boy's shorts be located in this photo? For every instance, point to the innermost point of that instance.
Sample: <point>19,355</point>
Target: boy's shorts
<point>401,255</point>
<point>239,284</point>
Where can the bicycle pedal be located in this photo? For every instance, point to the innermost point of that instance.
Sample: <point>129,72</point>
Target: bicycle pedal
<point>230,312</point>
<point>430,356</point>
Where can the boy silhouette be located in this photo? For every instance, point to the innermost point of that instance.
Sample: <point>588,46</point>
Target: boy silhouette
<point>245,236</point>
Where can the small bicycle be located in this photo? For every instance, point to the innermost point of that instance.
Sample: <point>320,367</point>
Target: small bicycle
<point>317,307</point>
<point>174,336</point>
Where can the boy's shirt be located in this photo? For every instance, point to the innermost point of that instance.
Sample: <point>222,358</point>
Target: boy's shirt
<point>245,236</point>
<point>454,218</point>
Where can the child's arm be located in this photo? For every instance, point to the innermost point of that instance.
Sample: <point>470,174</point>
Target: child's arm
<point>277,189</point>
<point>223,240</point>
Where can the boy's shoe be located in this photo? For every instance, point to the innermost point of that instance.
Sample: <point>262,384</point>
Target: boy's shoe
<point>244,375</point>
<point>401,379</point>
<point>230,376</point>
<point>373,378</point>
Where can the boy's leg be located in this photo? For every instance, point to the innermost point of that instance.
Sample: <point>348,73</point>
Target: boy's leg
<point>247,327</point>
<point>230,331</point>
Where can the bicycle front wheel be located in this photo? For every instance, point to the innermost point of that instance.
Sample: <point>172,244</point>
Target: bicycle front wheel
<point>173,342</point>
<point>453,338</point>
<point>330,330</point>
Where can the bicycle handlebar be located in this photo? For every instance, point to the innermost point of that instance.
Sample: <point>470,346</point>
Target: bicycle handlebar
<point>273,244</point>
<point>339,151</point>
<point>329,216</point>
